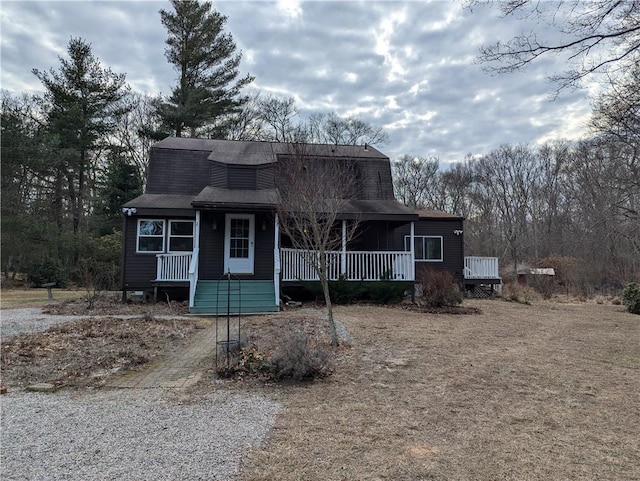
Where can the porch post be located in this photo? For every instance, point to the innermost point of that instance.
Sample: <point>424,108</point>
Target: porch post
<point>193,267</point>
<point>276,260</point>
<point>343,255</point>
<point>412,269</point>
<point>196,232</point>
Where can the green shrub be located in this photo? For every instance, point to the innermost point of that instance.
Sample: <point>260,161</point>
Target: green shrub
<point>438,288</point>
<point>343,291</point>
<point>46,271</point>
<point>386,292</point>
<point>631,298</point>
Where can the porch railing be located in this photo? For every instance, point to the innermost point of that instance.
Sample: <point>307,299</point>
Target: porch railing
<point>297,265</point>
<point>173,267</point>
<point>481,268</point>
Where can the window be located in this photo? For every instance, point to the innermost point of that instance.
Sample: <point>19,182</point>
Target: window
<point>180,236</point>
<point>239,238</point>
<point>427,248</point>
<point>150,235</point>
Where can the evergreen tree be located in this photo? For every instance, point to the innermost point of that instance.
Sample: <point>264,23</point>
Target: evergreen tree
<point>121,182</point>
<point>83,102</point>
<point>208,87</point>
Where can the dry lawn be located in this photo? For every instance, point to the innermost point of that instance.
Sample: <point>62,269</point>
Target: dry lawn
<point>35,297</point>
<point>542,392</point>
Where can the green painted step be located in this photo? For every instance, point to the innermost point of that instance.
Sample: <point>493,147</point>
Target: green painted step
<point>255,297</point>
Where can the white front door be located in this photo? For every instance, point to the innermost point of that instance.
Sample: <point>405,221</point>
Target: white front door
<point>239,240</point>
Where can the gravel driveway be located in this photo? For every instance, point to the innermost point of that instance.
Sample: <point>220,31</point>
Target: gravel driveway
<point>28,319</point>
<point>132,434</point>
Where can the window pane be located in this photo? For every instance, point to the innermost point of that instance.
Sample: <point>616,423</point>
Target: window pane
<point>433,248</point>
<point>419,247</point>
<point>239,228</point>
<point>181,244</point>
<point>150,244</point>
<point>239,248</point>
<point>182,228</point>
<point>151,227</point>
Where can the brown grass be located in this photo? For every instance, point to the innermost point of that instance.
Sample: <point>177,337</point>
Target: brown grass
<point>542,392</point>
<point>35,297</point>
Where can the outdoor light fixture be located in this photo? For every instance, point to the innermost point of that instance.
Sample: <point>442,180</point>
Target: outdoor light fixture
<point>129,211</point>
<point>457,232</point>
<point>214,224</point>
<point>264,225</point>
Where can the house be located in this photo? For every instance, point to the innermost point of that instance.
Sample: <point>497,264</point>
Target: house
<point>207,227</point>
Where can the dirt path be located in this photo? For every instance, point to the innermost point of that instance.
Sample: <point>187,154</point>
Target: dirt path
<point>544,392</point>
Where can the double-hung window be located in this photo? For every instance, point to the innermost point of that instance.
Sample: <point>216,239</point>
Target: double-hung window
<point>427,248</point>
<point>180,236</point>
<point>156,236</point>
<point>150,235</point>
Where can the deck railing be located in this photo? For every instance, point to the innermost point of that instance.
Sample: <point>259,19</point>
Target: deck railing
<point>173,267</point>
<point>481,268</point>
<point>297,265</point>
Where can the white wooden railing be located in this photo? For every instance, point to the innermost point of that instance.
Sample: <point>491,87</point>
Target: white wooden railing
<point>481,268</point>
<point>297,265</point>
<point>173,267</point>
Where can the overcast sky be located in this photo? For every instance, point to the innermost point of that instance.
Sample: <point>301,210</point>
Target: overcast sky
<point>409,67</point>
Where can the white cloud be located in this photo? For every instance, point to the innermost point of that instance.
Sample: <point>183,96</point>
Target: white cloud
<point>406,66</point>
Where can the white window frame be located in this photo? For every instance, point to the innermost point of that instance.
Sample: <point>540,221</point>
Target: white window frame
<point>169,236</point>
<point>164,230</point>
<point>407,239</point>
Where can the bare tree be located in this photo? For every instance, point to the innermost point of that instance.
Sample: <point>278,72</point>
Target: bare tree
<point>333,129</point>
<point>600,36</point>
<point>414,179</point>
<point>280,117</point>
<point>315,188</point>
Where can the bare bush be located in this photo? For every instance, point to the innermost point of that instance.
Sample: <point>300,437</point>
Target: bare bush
<point>300,359</point>
<point>438,288</point>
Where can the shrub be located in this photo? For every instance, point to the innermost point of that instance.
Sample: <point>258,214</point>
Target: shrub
<point>46,271</point>
<point>631,298</point>
<point>385,292</point>
<point>297,358</point>
<point>343,291</point>
<point>519,293</point>
<point>438,288</point>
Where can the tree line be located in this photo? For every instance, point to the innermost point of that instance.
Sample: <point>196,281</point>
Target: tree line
<point>72,156</point>
<point>573,206</point>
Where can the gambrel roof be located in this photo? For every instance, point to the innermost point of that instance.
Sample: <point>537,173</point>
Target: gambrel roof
<point>209,173</point>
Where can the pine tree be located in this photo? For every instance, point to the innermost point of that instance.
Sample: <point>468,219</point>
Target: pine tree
<point>208,87</point>
<point>83,101</point>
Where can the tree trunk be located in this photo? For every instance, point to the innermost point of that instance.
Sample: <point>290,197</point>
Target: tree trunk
<point>327,300</point>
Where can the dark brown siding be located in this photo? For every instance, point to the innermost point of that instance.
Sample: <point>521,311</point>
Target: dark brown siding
<point>139,269</point>
<point>218,175</point>
<point>452,244</point>
<point>375,236</point>
<point>241,177</point>
<point>264,246</point>
<point>266,177</point>
<point>211,265</point>
<point>177,171</point>
<point>211,262</point>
